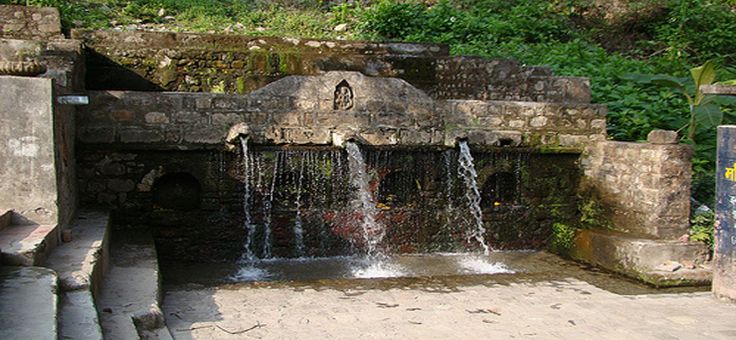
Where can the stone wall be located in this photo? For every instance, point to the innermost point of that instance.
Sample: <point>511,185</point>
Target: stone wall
<point>29,22</point>
<point>145,61</point>
<point>418,193</point>
<point>27,157</point>
<point>644,188</point>
<point>300,110</point>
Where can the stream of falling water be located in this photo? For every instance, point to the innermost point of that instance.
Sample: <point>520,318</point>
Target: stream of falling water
<point>267,210</point>
<point>466,170</point>
<point>250,227</point>
<point>298,228</point>
<point>372,231</point>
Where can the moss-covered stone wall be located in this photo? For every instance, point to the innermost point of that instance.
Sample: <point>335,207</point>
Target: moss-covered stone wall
<point>153,61</point>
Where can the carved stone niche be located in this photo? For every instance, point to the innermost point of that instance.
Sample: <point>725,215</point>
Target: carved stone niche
<point>344,96</point>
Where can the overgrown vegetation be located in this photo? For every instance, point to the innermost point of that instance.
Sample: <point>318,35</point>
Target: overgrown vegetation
<point>562,239</point>
<point>702,228</point>
<point>602,40</point>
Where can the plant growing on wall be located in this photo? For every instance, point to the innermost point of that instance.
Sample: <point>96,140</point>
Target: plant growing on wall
<point>704,110</point>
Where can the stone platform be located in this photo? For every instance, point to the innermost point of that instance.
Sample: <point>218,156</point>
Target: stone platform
<point>661,263</point>
<point>27,245</point>
<point>28,306</point>
<point>562,309</point>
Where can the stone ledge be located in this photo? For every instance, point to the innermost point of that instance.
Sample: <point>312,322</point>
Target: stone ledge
<point>28,308</point>
<point>640,258</point>
<point>80,263</point>
<point>27,245</point>
<point>131,295</point>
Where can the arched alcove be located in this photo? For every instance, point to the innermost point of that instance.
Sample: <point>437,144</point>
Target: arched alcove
<point>398,188</point>
<point>177,191</point>
<point>499,188</point>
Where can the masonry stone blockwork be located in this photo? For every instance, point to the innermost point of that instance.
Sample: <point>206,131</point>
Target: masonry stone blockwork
<point>168,109</point>
<point>645,188</point>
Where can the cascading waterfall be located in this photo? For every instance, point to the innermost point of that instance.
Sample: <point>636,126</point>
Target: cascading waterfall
<point>372,231</point>
<point>250,227</point>
<point>466,170</point>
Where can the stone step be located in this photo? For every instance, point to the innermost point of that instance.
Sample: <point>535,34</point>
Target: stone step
<point>28,245</point>
<point>28,308</point>
<point>661,263</point>
<point>131,293</point>
<point>78,317</point>
<point>80,265</point>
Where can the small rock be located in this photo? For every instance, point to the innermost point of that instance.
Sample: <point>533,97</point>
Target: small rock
<point>684,238</point>
<point>260,29</point>
<point>662,137</point>
<point>66,235</point>
<point>161,12</point>
<point>669,266</point>
<point>340,27</point>
<point>688,264</point>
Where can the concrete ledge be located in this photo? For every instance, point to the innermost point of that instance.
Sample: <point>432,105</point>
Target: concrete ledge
<point>644,259</point>
<point>81,264</point>
<point>78,318</point>
<point>131,295</point>
<point>28,308</point>
<point>28,245</point>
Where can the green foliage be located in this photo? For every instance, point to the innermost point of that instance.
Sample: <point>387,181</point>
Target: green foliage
<point>592,215</point>
<point>704,110</point>
<point>563,238</point>
<point>701,228</point>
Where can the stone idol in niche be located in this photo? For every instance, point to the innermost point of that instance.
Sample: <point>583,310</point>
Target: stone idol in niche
<point>343,96</point>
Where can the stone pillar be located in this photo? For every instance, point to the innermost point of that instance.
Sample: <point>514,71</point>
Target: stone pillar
<point>724,271</point>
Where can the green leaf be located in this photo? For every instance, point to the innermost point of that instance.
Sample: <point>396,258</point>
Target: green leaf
<point>731,82</point>
<point>719,100</point>
<point>669,81</point>
<point>703,75</point>
<point>638,77</point>
<point>708,115</point>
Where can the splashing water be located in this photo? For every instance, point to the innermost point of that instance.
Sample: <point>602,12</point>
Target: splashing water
<point>249,273</point>
<point>378,269</point>
<point>466,170</point>
<point>372,231</point>
<point>479,265</point>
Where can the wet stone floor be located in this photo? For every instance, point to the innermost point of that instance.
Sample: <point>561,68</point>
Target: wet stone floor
<point>531,295</point>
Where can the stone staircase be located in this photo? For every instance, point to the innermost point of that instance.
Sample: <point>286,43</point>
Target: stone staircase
<point>54,290</point>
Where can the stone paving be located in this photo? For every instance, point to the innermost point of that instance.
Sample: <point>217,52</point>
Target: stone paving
<point>564,309</point>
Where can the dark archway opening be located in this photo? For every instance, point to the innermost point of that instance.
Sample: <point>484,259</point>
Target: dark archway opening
<point>398,188</point>
<point>177,191</point>
<point>499,188</point>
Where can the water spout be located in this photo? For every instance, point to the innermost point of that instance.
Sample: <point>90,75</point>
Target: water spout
<point>372,231</point>
<point>466,170</point>
<point>250,227</point>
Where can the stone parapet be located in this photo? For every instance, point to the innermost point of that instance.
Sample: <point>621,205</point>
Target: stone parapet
<point>304,110</point>
<point>644,188</point>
